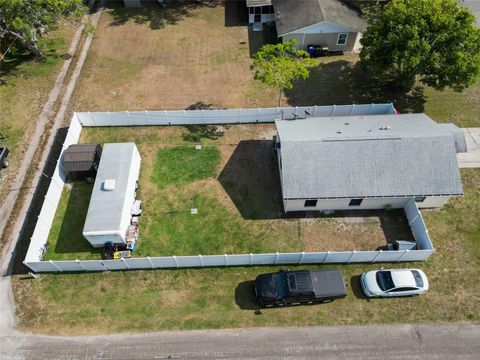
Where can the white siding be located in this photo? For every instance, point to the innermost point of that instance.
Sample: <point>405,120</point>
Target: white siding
<point>367,204</point>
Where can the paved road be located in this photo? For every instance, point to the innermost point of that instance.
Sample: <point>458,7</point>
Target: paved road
<point>377,342</point>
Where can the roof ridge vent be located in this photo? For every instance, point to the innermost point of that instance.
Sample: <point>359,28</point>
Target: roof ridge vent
<point>385,127</point>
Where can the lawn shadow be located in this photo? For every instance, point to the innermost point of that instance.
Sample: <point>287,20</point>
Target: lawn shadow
<point>236,13</point>
<point>357,288</point>
<point>154,14</point>
<point>245,295</point>
<point>345,82</point>
<point>70,238</point>
<point>251,179</point>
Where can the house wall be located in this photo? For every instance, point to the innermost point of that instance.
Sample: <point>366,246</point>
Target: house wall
<point>324,39</point>
<point>98,241</point>
<point>367,204</point>
<point>132,3</point>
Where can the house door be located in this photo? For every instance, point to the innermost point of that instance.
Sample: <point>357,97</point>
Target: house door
<point>257,18</point>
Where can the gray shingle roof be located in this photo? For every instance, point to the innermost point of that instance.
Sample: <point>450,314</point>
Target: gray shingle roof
<point>326,158</point>
<point>291,15</point>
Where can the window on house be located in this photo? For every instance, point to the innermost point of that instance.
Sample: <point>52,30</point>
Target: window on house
<point>251,10</point>
<point>258,10</point>
<point>310,203</point>
<point>342,39</point>
<point>267,9</point>
<point>420,198</point>
<point>355,202</point>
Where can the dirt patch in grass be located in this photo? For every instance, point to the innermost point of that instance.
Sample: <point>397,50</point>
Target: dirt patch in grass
<point>169,58</point>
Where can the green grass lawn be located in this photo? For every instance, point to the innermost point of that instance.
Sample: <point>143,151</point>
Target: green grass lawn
<point>223,297</point>
<point>65,240</point>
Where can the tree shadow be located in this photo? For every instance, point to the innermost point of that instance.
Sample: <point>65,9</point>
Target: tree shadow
<point>245,296</point>
<point>236,13</point>
<point>199,105</point>
<point>256,39</point>
<point>357,288</point>
<point>195,133</point>
<point>346,82</point>
<point>153,14</point>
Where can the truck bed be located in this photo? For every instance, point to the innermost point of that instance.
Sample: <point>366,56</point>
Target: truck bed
<point>328,284</point>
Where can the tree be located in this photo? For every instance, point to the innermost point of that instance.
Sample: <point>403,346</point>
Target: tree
<point>29,21</point>
<point>434,40</point>
<point>281,64</point>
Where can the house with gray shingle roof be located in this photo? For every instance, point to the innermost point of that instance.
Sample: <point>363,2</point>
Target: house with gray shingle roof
<point>368,162</point>
<point>336,25</point>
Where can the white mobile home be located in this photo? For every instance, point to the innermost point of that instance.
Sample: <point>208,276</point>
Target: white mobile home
<point>368,162</point>
<point>109,211</point>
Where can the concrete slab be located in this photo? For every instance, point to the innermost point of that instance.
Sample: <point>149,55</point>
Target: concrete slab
<point>470,159</point>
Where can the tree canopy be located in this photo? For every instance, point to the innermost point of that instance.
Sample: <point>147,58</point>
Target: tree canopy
<point>434,40</point>
<point>281,64</point>
<point>29,21</point>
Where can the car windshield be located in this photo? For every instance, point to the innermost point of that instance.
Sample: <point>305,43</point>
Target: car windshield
<point>384,280</point>
<point>281,285</point>
<point>418,278</point>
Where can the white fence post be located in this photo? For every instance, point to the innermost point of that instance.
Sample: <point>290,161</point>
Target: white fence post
<point>301,257</point>
<point>376,256</point>
<point>402,255</point>
<point>326,257</point>
<point>55,265</point>
<point>226,259</point>
<point>201,260</point>
<point>175,260</point>
<point>79,263</point>
<point>351,256</point>
<point>276,259</point>
<point>251,259</point>
<point>150,261</point>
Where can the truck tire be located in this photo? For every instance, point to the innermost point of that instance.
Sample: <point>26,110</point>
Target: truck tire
<point>5,163</point>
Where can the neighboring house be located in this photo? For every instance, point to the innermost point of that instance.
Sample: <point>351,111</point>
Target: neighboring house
<point>474,6</point>
<point>333,24</point>
<point>80,161</point>
<point>368,162</point>
<point>260,11</point>
<point>110,210</point>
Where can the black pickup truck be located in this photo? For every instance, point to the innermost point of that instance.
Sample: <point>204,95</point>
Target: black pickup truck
<point>3,157</point>
<point>285,287</point>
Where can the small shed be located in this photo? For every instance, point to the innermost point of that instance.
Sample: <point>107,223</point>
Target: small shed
<point>80,161</point>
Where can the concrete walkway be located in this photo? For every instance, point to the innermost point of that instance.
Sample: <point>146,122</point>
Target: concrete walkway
<point>471,159</point>
<point>349,342</point>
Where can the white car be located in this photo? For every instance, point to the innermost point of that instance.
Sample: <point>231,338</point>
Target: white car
<point>393,283</point>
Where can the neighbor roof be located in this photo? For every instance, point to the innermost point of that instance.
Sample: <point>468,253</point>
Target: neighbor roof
<point>294,15</point>
<point>259,3</point>
<point>369,156</point>
<point>120,162</point>
<point>474,6</point>
<point>79,157</point>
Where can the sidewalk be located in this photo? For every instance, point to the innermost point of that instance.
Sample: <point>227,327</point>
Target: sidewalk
<point>471,159</point>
